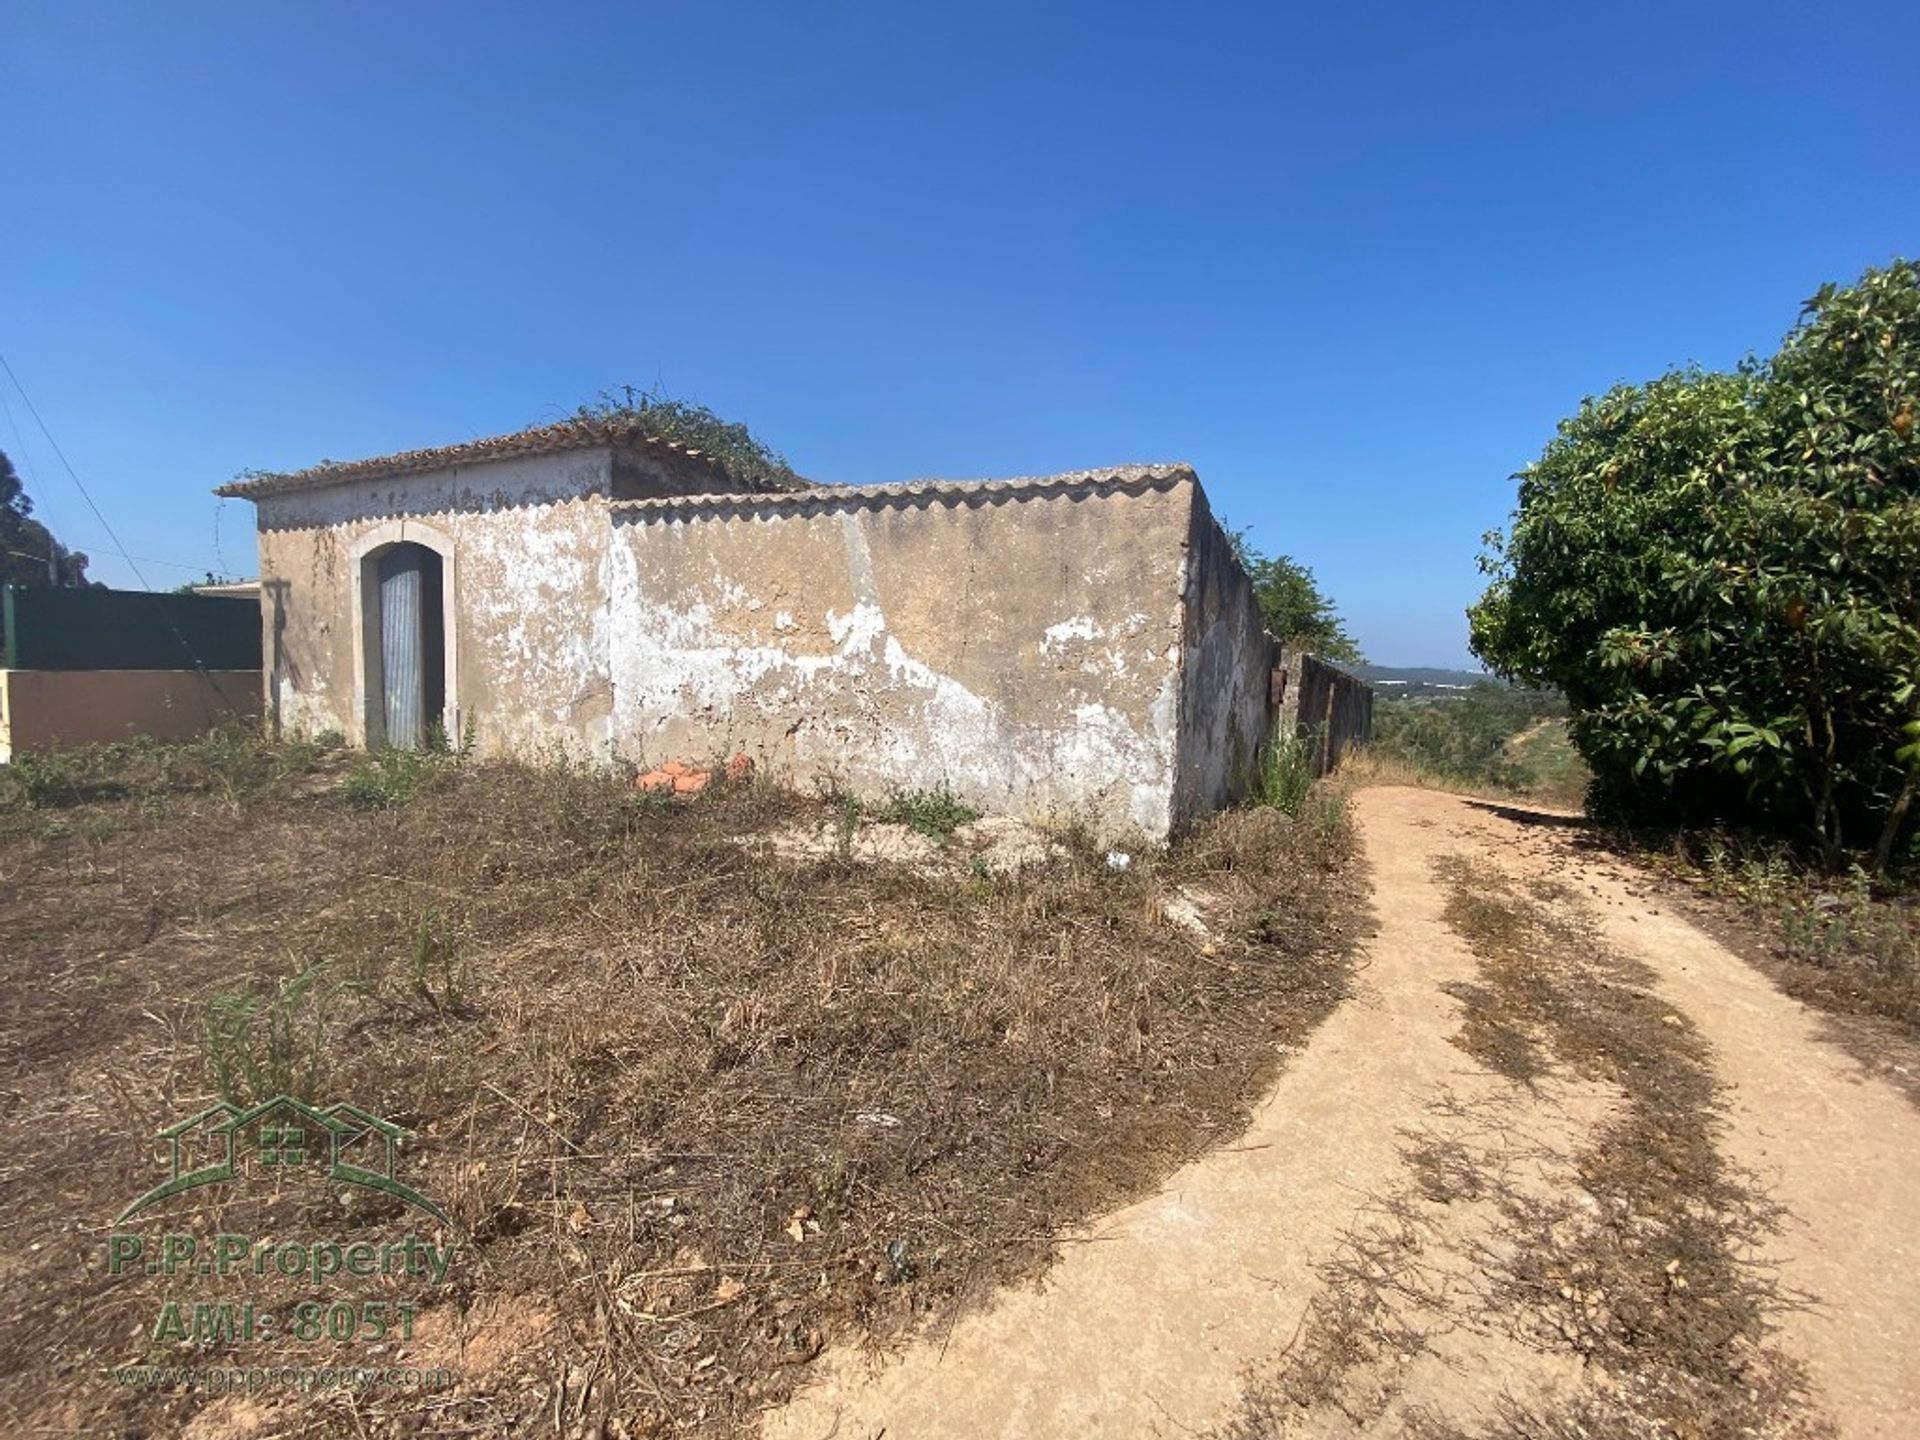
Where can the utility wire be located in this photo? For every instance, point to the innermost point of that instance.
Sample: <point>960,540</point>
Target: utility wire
<point>73,474</point>
<point>186,647</point>
<point>90,547</point>
<point>34,487</point>
<point>33,483</point>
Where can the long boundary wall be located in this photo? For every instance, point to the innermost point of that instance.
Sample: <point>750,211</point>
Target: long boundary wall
<point>92,628</point>
<point>1317,698</point>
<point>1226,654</point>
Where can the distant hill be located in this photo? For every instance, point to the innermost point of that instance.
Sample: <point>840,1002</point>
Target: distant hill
<point>1412,679</point>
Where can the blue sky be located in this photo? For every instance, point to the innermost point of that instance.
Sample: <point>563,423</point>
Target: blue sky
<point>1351,262</point>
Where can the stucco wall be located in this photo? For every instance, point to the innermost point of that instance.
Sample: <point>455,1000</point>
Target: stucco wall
<point>525,548</point>
<point>1080,646</point>
<point>43,709</point>
<point>1225,714</point>
<point>1020,646</point>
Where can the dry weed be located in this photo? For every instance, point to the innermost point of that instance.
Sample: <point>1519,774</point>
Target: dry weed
<point>699,1106</point>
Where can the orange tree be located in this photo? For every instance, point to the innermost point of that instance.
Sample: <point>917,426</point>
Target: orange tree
<point>1722,573</point>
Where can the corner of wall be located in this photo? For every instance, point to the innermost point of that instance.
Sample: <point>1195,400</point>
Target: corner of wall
<point>1225,668</point>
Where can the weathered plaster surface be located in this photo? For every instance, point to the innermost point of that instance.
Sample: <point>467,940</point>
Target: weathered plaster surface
<point>1228,657</point>
<point>468,489</point>
<point>1321,701</point>
<point>1022,651</point>
<point>527,542</point>
<point>1080,646</point>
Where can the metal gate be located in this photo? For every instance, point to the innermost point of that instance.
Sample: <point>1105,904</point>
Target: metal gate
<point>411,632</point>
<point>402,649</point>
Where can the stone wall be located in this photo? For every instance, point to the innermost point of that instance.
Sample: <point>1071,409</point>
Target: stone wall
<point>524,550</point>
<point>1075,647</point>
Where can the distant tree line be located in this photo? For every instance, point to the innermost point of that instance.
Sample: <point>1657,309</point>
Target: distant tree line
<point>1464,736</point>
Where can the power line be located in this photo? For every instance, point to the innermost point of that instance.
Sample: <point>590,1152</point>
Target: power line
<point>21,449</point>
<point>33,480</point>
<point>186,648</point>
<point>73,474</point>
<point>89,545</point>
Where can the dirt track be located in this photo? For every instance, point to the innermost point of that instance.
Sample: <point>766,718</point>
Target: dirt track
<point>1169,1316</point>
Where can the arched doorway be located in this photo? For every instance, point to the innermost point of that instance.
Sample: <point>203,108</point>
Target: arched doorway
<point>406,646</point>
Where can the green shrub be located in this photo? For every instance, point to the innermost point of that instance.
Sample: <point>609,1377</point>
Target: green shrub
<point>238,764</point>
<point>846,823</point>
<point>434,972</point>
<point>1287,771</point>
<point>388,779</point>
<point>749,460</point>
<point>1722,574</point>
<point>258,1044</point>
<point>934,813</point>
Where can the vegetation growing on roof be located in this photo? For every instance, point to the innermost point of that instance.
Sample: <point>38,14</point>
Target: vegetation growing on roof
<point>747,458</point>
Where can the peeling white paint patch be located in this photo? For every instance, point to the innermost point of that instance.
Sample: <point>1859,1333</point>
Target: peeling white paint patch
<point>1056,637</point>
<point>858,629</point>
<point>532,583</point>
<point>871,711</point>
<point>308,713</point>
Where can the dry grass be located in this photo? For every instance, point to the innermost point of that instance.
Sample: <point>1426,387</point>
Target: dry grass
<point>1372,1316</point>
<point>695,1109</point>
<point>1846,944</point>
<point>1369,766</point>
<point>1643,1270</point>
<point>1491,741</point>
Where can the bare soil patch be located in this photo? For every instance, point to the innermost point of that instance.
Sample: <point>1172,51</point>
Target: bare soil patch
<point>1560,1166</point>
<point>1642,1268</point>
<point>1850,954</point>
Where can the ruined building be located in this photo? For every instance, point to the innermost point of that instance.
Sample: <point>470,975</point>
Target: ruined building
<point>1081,645</point>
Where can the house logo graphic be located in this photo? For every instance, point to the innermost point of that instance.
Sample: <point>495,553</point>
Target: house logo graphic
<point>277,1136</point>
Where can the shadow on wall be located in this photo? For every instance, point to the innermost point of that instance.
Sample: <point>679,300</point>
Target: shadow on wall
<point>280,669</point>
